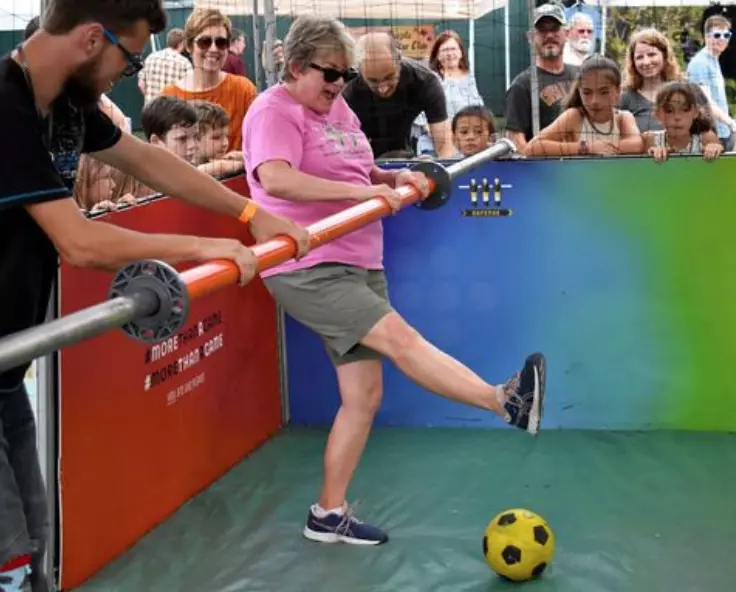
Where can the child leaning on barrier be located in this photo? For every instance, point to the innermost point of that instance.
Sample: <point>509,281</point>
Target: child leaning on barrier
<point>472,129</point>
<point>590,123</point>
<point>171,123</point>
<point>100,187</point>
<point>212,154</point>
<point>688,125</point>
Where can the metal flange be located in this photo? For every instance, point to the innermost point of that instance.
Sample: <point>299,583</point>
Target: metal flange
<point>157,280</point>
<point>443,184</point>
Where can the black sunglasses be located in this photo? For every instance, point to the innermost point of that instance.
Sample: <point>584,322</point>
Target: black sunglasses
<point>206,41</point>
<point>135,60</point>
<point>333,74</point>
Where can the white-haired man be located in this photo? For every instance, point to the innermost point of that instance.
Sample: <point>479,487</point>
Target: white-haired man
<point>580,39</point>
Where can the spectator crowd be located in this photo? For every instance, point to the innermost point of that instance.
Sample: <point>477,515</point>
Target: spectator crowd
<point>196,94</point>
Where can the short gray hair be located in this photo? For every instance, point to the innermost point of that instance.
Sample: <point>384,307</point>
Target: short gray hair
<point>309,36</point>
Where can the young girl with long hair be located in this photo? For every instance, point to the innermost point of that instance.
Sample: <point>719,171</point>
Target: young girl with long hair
<point>688,127</point>
<point>590,122</point>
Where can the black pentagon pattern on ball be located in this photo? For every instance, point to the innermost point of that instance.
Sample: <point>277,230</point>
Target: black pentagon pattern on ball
<point>511,555</point>
<point>507,519</point>
<point>539,570</point>
<point>541,535</point>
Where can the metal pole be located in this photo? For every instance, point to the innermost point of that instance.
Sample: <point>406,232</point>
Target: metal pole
<point>150,300</point>
<point>604,19</point>
<point>507,43</point>
<point>257,68</point>
<point>531,7</point>
<point>41,340</point>
<point>471,38</point>
<point>269,12</point>
<point>47,387</point>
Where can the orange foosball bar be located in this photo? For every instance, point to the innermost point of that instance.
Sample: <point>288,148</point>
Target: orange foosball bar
<point>149,300</point>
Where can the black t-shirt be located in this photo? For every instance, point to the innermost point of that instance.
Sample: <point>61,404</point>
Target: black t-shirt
<point>387,121</point>
<point>552,89</point>
<point>38,162</point>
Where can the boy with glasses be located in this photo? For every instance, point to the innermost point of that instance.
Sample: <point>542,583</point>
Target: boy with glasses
<point>705,71</point>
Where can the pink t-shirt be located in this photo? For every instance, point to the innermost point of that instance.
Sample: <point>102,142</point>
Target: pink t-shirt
<point>331,147</point>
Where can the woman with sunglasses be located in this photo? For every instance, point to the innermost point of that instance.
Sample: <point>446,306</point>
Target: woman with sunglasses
<point>307,158</point>
<point>207,33</point>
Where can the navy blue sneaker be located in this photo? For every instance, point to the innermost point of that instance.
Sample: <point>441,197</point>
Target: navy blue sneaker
<point>345,528</point>
<point>525,395</point>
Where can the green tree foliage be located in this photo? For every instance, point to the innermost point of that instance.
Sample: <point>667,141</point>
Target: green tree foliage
<point>622,23</point>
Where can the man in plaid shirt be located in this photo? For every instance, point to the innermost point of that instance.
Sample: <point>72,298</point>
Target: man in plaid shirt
<point>164,67</point>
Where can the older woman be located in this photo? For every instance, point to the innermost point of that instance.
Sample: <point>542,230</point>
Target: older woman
<point>306,156</point>
<point>207,33</point>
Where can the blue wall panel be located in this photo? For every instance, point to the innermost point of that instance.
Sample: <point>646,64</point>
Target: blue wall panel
<point>605,266</point>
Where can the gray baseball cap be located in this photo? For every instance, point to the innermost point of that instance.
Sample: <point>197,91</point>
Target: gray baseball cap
<point>553,11</point>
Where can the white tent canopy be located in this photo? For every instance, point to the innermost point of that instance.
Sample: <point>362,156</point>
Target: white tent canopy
<point>414,9</point>
<point>655,3</point>
<point>417,10</point>
<point>15,14</point>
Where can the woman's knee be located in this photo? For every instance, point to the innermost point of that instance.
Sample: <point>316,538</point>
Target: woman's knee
<point>361,386</point>
<point>392,336</point>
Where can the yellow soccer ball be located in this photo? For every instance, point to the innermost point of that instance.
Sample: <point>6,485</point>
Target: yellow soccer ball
<point>518,545</point>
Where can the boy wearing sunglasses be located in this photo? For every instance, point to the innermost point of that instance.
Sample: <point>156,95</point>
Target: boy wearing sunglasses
<point>705,71</point>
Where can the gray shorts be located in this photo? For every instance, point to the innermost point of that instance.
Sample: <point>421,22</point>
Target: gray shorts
<point>340,303</point>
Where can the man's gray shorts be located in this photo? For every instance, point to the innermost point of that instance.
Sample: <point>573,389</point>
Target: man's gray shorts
<point>340,303</point>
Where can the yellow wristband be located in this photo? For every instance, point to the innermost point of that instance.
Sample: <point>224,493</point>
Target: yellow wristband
<point>248,212</point>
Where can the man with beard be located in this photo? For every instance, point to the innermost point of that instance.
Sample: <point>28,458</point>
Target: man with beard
<point>49,90</point>
<point>580,39</point>
<point>554,76</point>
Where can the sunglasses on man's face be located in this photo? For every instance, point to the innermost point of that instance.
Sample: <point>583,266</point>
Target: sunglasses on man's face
<point>333,74</point>
<point>206,41</point>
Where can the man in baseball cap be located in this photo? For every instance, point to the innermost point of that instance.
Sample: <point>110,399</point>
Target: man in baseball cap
<point>555,78</point>
<point>550,11</point>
